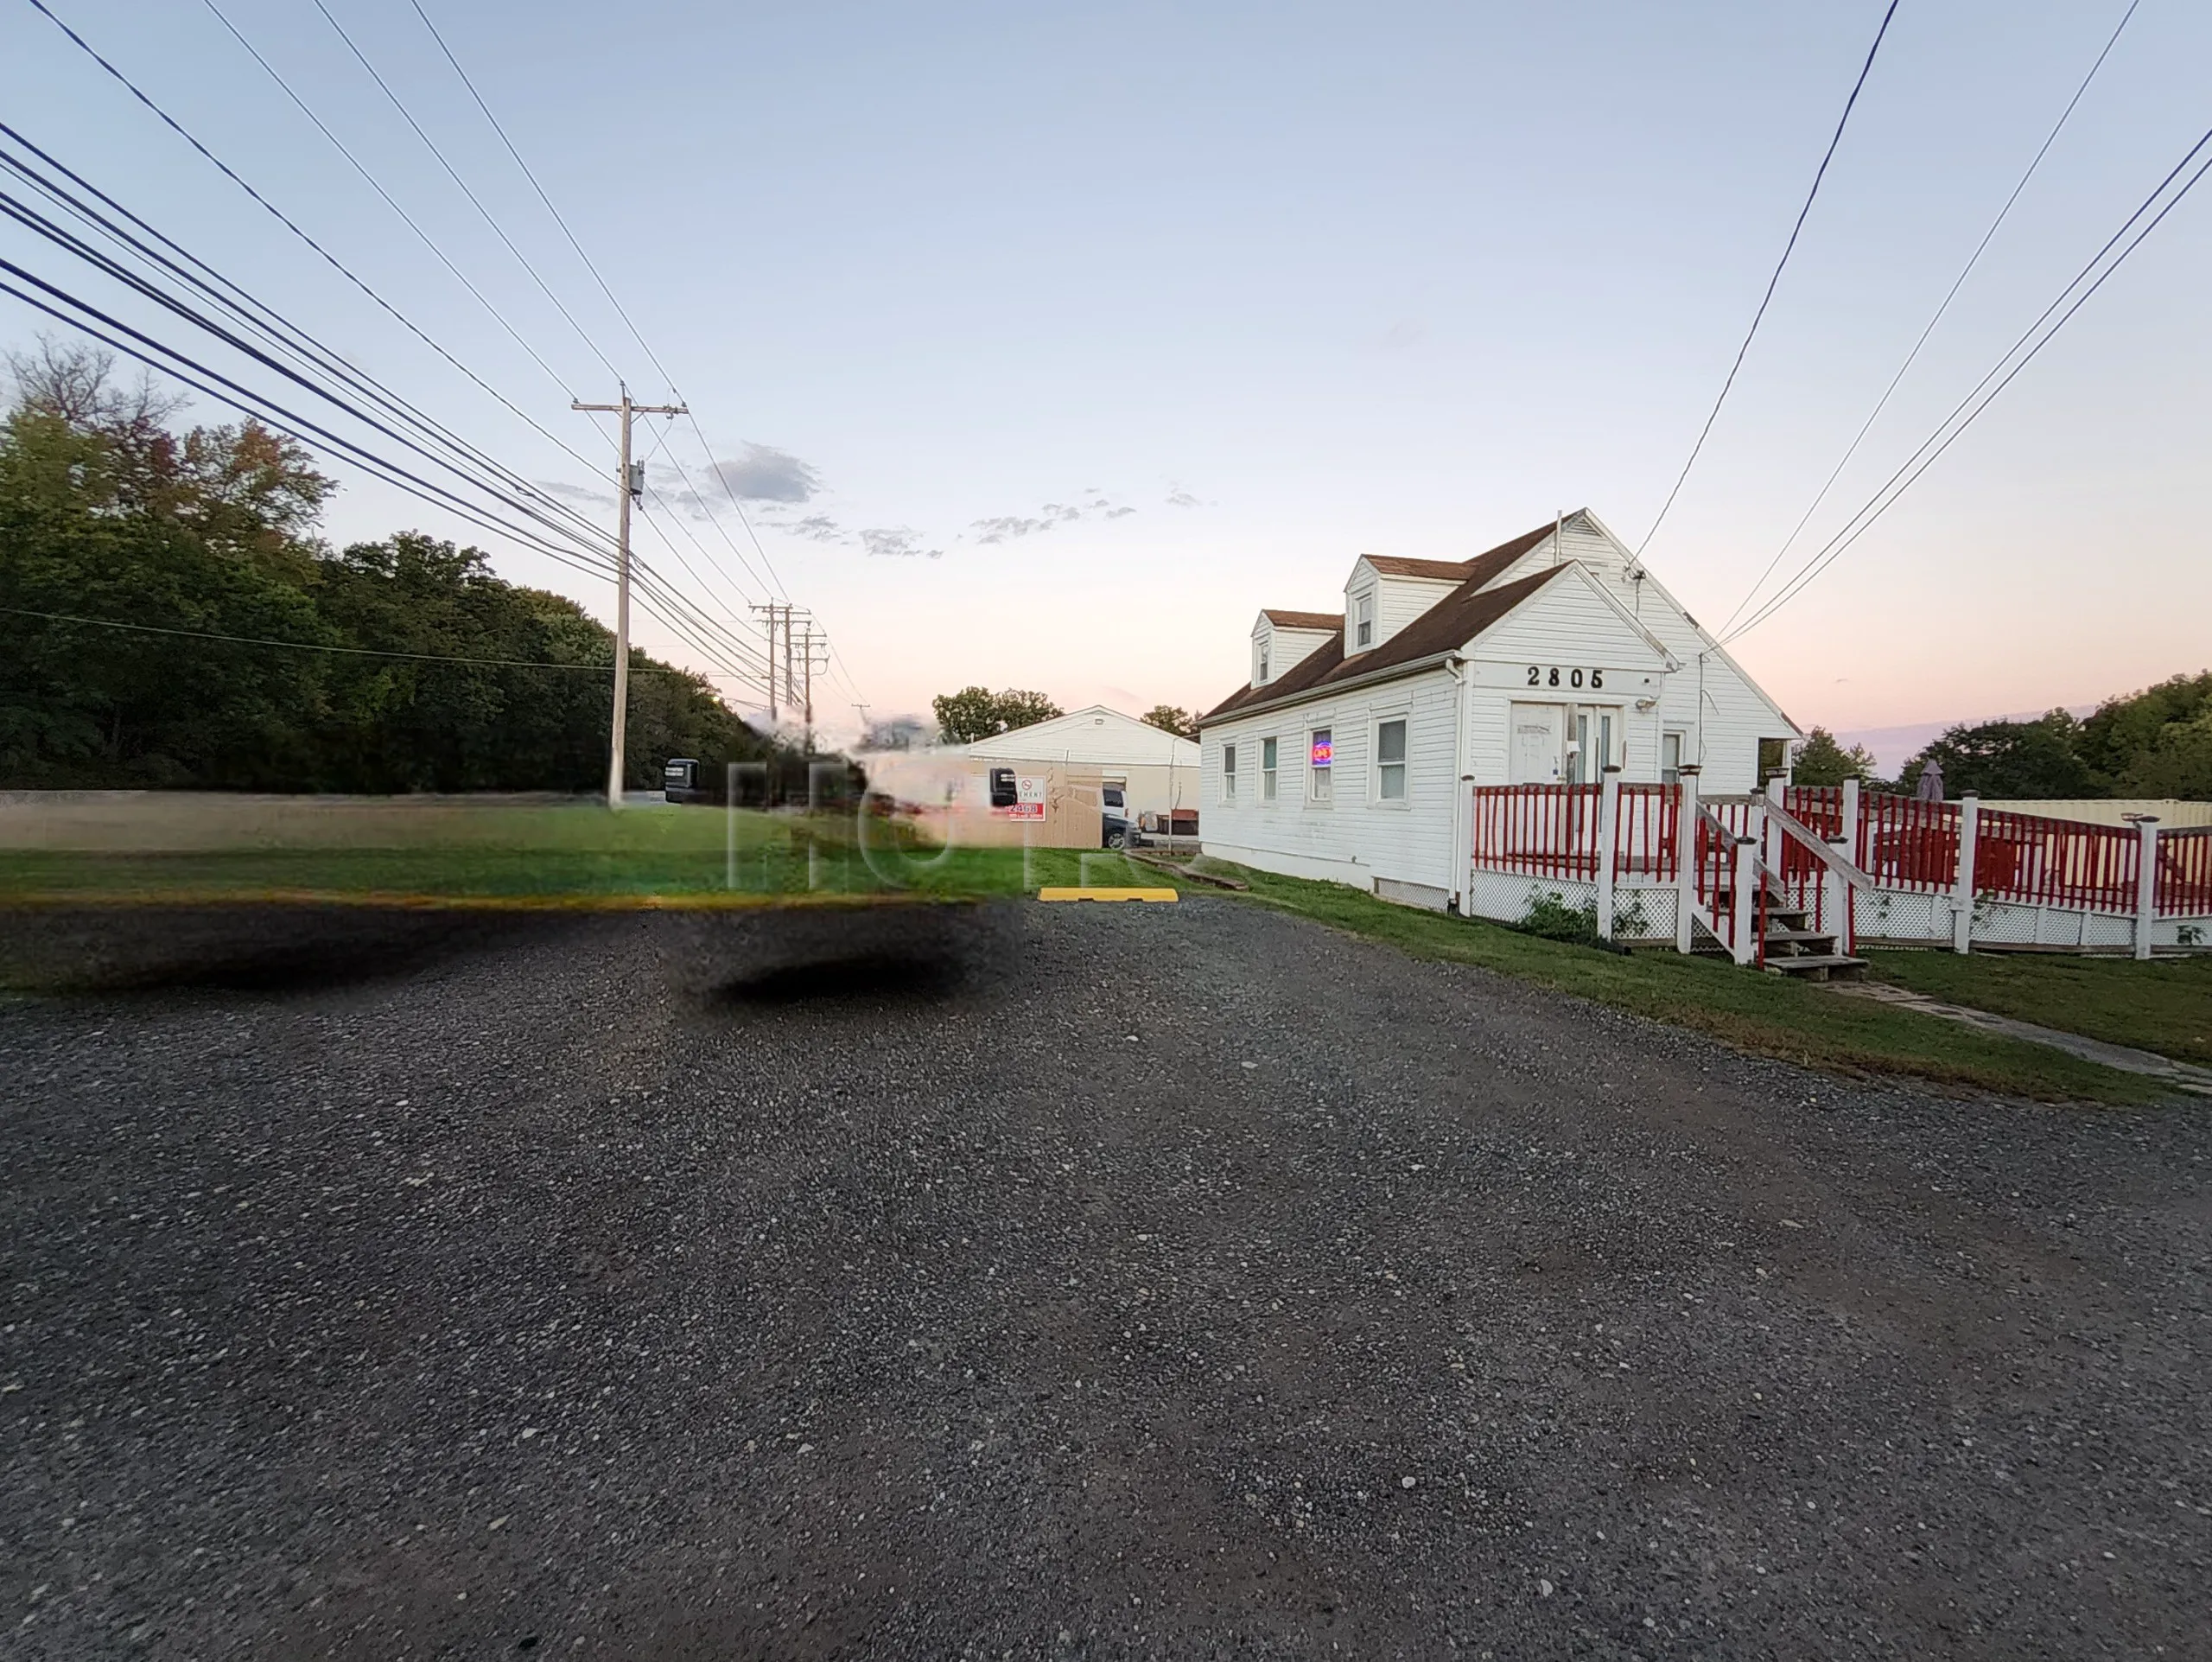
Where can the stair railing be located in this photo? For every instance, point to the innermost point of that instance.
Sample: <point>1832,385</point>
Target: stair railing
<point>1834,911</point>
<point>1730,890</point>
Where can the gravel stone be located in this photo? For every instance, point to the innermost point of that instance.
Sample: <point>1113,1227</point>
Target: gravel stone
<point>641,1288</point>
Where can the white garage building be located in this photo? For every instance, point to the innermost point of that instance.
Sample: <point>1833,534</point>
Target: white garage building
<point>1158,770</point>
<point>1353,751</point>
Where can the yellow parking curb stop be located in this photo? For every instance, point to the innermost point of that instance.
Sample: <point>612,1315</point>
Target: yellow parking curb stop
<point>1072,894</point>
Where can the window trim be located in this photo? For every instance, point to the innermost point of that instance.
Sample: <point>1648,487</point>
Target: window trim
<point>1229,749</point>
<point>1315,798</point>
<point>1269,774</point>
<point>1376,721</point>
<point>1363,622</point>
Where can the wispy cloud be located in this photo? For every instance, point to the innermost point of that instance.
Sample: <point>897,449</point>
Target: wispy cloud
<point>897,542</point>
<point>816,528</point>
<point>1008,527</point>
<point>761,473</point>
<point>757,473</point>
<point>1179,498</point>
<point>1116,513</point>
<point>575,492</point>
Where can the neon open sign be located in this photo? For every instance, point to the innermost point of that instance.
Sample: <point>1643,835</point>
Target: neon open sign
<point>1324,751</point>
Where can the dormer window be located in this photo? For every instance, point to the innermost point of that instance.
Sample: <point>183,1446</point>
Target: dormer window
<point>1363,623</point>
<point>1260,679</point>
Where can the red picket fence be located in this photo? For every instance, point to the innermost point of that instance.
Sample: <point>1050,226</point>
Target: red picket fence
<point>1905,843</point>
<point>1818,807</point>
<point>2031,861</point>
<point>2185,873</point>
<point>1552,830</point>
<point>1546,830</point>
<point>1647,834</point>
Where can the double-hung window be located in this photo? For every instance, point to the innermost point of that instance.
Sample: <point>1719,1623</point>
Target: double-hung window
<point>1363,623</point>
<point>1268,758</point>
<point>1228,772</point>
<point>1390,760</point>
<point>1321,756</point>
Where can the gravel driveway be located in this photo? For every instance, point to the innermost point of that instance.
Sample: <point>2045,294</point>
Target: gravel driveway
<point>1065,1281</point>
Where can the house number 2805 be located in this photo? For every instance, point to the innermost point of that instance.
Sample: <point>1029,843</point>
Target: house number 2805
<point>1560,678</point>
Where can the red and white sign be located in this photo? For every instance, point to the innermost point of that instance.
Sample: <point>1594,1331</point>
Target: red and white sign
<point>1029,798</point>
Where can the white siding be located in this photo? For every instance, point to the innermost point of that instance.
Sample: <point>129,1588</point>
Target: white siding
<point>1398,601</point>
<point>1715,705</point>
<point>1567,626</point>
<point>1353,838</point>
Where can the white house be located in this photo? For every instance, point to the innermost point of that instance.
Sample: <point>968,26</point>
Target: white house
<point>1158,770</point>
<point>1352,752</point>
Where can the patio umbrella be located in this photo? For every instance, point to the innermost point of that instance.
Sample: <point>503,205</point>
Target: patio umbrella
<point>1930,789</point>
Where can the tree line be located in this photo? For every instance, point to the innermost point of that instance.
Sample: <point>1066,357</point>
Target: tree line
<point>2156,742</point>
<point>975,713</point>
<point>202,543</point>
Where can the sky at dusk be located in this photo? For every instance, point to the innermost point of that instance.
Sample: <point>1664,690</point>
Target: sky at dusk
<point>1049,343</point>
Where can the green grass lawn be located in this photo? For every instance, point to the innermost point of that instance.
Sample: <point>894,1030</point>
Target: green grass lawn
<point>560,854</point>
<point>1762,1013</point>
<point>2164,1006</point>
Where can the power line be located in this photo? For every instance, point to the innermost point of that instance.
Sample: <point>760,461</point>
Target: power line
<point>109,332</point>
<point>282,219</point>
<point>774,578</point>
<point>391,201</point>
<point>1820,174</point>
<point>512,481</point>
<point>1950,295</point>
<point>596,275</point>
<point>505,483</point>
<point>385,88</point>
<point>231,297</point>
<point>1930,450</point>
<point>297,427</point>
<point>620,311</point>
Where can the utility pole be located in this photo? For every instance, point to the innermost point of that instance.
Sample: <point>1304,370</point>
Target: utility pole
<point>790,681</point>
<point>629,484</point>
<point>772,608</point>
<point>808,658</point>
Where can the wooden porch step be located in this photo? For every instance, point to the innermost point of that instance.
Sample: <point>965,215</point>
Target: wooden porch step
<point>1802,938</point>
<point>1829,966</point>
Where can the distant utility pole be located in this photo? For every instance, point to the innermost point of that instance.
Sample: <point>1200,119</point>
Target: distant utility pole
<point>769,662</point>
<point>813,649</point>
<point>781,615</point>
<point>629,484</point>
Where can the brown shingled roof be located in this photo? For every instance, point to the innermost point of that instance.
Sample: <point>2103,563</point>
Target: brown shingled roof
<point>1443,570</point>
<point>1283,620</point>
<point>1411,642</point>
<point>1448,624</point>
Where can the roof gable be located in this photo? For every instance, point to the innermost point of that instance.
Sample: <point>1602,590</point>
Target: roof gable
<point>1081,731</point>
<point>1445,627</point>
<point>1321,622</point>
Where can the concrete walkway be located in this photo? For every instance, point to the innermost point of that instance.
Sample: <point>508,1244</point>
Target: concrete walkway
<point>2182,1076</point>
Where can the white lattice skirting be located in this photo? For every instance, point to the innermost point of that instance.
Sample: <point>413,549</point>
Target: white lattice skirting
<point>1894,915</point>
<point>1639,913</point>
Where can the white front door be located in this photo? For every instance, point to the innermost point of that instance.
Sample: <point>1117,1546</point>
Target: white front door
<point>1538,739</point>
